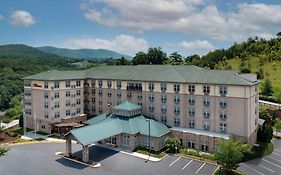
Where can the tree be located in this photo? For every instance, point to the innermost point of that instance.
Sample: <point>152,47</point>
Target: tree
<point>277,95</point>
<point>122,61</point>
<point>263,113</point>
<point>173,144</point>
<point>190,58</point>
<point>278,34</point>
<point>1,131</point>
<point>277,125</point>
<point>229,154</point>
<point>175,58</point>
<point>140,58</point>
<point>266,88</point>
<point>156,55</point>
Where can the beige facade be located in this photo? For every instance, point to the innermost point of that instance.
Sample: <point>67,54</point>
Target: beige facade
<point>223,108</point>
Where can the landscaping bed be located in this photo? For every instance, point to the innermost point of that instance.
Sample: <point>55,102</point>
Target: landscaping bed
<point>145,151</point>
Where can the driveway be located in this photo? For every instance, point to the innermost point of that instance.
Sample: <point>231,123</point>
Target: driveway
<point>268,165</point>
<point>40,159</point>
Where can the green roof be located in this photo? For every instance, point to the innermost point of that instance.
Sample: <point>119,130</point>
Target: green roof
<point>163,73</point>
<point>107,126</point>
<point>127,106</point>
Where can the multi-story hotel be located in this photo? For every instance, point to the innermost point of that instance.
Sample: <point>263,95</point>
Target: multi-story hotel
<point>200,106</point>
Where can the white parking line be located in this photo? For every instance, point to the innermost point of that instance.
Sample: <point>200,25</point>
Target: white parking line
<point>271,163</point>
<point>200,168</point>
<point>267,168</point>
<point>274,158</point>
<point>253,169</point>
<point>187,164</point>
<point>175,161</point>
<point>277,154</point>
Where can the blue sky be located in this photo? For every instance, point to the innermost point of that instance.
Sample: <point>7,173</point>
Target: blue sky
<point>185,26</point>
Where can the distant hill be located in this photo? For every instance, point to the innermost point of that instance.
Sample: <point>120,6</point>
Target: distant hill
<point>18,61</point>
<point>88,54</point>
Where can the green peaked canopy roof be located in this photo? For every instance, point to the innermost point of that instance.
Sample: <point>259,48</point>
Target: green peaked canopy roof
<point>127,106</point>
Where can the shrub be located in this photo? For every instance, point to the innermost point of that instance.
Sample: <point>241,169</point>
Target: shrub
<point>3,151</point>
<point>11,134</point>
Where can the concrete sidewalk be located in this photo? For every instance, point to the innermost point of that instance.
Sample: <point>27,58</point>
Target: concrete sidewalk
<point>9,125</point>
<point>31,136</point>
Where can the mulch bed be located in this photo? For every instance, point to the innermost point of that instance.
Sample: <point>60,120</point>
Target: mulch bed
<point>4,138</point>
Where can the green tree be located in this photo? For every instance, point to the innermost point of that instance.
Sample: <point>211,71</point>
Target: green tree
<point>266,88</point>
<point>277,125</point>
<point>122,61</point>
<point>140,58</point>
<point>156,55</point>
<point>277,95</point>
<point>189,59</point>
<point>175,58</point>
<point>263,113</point>
<point>173,144</point>
<point>229,154</point>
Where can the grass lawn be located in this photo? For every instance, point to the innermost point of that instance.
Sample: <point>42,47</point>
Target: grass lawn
<point>153,154</point>
<point>19,130</point>
<point>42,133</point>
<point>263,150</point>
<point>207,157</point>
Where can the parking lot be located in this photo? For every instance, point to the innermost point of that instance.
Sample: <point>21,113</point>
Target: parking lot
<point>34,159</point>
<point>268,165</point>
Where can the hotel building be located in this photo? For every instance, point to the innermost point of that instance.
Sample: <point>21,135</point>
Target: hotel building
<point>200,106</point>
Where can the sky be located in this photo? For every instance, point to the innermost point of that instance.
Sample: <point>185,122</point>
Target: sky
<point>129,26</point>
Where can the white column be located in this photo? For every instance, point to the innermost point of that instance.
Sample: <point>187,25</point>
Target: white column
<point>68,151</point>
<point>85,153</point>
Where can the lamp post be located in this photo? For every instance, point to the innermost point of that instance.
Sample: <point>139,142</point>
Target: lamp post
<point>148,139</point>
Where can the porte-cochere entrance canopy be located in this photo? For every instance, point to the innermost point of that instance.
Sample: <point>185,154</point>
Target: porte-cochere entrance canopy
<point>125,119</point>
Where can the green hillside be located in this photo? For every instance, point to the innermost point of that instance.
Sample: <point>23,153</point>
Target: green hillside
<point>18,61</point>
<point>89,54</point>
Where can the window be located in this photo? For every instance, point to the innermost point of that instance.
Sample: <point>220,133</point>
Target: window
<point>100,83</point>
<point>109,102</point>
<point>67,84</point>
<point>100,92</point>
<point>191,112</point>
<point>100,102</point>
<point>206,113</point>
<point>191,100</point>
<point>206,125</point>
<point>78,83</point>
<point>223,115</point>
<point>164,119</point>
<point>73,114</point>
<point>206,101</point>
<point>57,104</point>
<point>57,84</point>
<point>93,91</point>
<point>134,86</point>
<point>191,144</point>
<point>67,112</point>
<point>27,83</point>
<point>93,109</point>
<point>46,95</point>
<point>46,105</point>
<point>223,103</point>
<point>163,98</point>
<point>256,99</point>
<point>191,123</point>
<point>78,101</point>
<point>27,111</point>
<point>206,89</point>
<point>151,97</point>
<point>139,96</point>
<point>176,110</point>
<point>46,114</point>
<point>164,109</point>
<point>151,107</point>
<point>27,102</point>
<point>129,95</point>
<point>223,90</point>
<point>223,127</point>
<point>27,93</point>
<point>100,110</point>
<point>57,114</point>
<point>118,94</point>
<point>57,95</point>
<point>93,83</point>
<point>177,122</point>
<point>176,99</point>
<point>67,103</point>
<point>151,86</point>
<point>204,146</point>
<point>163,87</point>
<point>67,93</point>
<point>109,94</point>
<point>176,88</point>
<point>109,83</point>
<point>119,84</point>
<point>46,85</point>
<point>125,140</point>
<point>191,89</point>
<point>140,104</point>
<point>93,100</point>
<point>78,92</point>
<point>78,110</point>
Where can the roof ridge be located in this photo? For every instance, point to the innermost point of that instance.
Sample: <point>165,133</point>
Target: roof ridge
<point>178,74</point>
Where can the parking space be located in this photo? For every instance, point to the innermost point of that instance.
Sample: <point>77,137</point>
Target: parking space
<point>268,165</point>
<point>181,165</point>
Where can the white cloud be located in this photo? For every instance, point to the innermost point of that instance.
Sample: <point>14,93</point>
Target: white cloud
<point>22,18</point>
<point>1,17</point>
<point>197,46</point>
<point>191,17</point>
<point>125,44</point>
